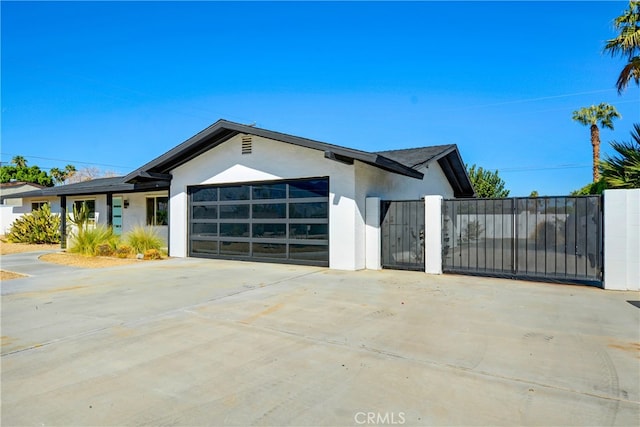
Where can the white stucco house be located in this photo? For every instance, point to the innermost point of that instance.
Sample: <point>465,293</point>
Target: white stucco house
<point>239,192</point>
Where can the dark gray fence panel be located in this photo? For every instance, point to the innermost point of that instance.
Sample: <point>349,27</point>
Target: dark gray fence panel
<point>478,235</point>
<point>542,238</point>
<point>402,229</point>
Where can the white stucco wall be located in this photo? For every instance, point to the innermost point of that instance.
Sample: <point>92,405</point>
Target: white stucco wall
<point>271,160</point>
<point>349,187</point>
<point>622,239</point>
<point>7,216</point>
<point>375,182</point>
<point>372,182</point>
<point>10,213</point>
<point>136,214</point>
<point>54,204</point>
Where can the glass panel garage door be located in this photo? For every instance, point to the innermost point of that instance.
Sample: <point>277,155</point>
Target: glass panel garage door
<point>275,221</point>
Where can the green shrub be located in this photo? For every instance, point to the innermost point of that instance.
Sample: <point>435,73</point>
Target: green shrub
<point>142,239</point>
<point>152,254</point>
<point>123,251</point>
<point>87,241</point>
<point>39,226</point>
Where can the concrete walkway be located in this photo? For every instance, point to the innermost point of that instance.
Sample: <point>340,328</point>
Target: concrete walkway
<point>28,263</point>
<point>201,343</point>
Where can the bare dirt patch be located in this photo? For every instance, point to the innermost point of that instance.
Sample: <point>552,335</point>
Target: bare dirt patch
<point>82,261</point>
<point>7,248</point>
<point>8,275</point>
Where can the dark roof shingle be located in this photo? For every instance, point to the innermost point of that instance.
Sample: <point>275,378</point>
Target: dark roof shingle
<point>416,157</point>
<point>95,186</point>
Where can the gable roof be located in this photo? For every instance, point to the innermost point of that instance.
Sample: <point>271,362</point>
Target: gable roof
<point>447,156</point>
<point>15,184</point>
<point>115,184</point>
<point>223,130</point>
<point>398,161</point>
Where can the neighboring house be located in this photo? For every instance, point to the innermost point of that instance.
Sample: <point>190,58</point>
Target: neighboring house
<point>241,192</point>
<point>8,188</point>
<point>11,208</point>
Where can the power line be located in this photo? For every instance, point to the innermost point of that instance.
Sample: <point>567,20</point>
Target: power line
<point>68,161</point>
<point>523,100</point>
<point>540,168</point>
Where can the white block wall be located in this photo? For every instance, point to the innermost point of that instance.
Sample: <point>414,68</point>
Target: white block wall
<point>433,234</point>
<point>7,216</point>
<point>622,239</point>
<point>372,234</point>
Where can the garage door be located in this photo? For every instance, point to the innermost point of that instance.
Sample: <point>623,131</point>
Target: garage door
<point>274,221</point>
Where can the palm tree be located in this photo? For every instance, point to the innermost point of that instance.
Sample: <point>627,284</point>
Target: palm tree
<point>627,44</point>
<point>623,171</point>
<point>60,176</point>
<point>69,171</point>
<point>591,116</point>
<point>19,161</point>
<point>57,175</point>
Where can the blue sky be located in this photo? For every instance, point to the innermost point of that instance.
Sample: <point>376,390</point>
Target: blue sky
<point>115,84</point>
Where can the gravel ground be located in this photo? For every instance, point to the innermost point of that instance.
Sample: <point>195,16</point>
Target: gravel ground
<point>8,275</point>
<point>76,260</point>
<point>7,248</point>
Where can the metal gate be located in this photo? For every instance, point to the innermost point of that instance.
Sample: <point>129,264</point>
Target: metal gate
<point>402,228</point>
<point>537,238</point>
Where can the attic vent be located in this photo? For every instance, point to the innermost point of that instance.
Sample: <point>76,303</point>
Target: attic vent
<point>246,145</point>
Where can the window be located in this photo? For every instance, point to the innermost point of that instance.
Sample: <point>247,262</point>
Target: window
<point>37,205</point>
<point>157,210</point>
<point>91,205</point>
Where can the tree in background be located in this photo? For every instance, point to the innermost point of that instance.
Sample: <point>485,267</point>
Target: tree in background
<point>19,162</point>
<point>623,170</point>
<point>486,184</point>
<point>89,173</point>
<point>60,176</point>
<point>19,171</point>
<point>627,45</point>
<point>602,114</point>
<point>592,188</point>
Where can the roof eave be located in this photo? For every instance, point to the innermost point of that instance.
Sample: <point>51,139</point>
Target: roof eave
<point>456,173</point>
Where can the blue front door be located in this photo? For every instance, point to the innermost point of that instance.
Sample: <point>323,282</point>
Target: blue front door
<point>116,216</point>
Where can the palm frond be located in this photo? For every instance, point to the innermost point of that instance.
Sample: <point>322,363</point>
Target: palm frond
<point>623,169</point>
<point>627,42</point>
<point>630,71</point>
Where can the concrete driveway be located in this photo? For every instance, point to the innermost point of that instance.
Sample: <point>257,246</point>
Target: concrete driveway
<point>199,342</point>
